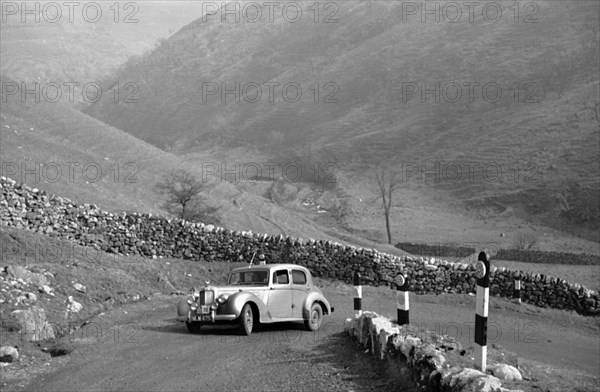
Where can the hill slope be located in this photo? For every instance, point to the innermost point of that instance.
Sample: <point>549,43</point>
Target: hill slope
<point>74,46</point>
<point>369,69</point>
<point>59,149</point>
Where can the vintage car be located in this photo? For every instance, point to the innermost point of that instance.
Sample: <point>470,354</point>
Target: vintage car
<point>266,293</point>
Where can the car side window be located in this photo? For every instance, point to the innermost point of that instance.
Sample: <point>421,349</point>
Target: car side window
<point>281,277</point>
<point>298,277</point>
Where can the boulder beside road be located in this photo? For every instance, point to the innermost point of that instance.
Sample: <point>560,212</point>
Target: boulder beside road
<point>9,354</point>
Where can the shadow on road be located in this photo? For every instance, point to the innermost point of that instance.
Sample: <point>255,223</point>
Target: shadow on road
<point>177,327</point>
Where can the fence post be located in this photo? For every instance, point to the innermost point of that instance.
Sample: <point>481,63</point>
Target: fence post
<point>481,310</point>
<point>402,300</point>
<point>357,294</point>
<point>517,293</point>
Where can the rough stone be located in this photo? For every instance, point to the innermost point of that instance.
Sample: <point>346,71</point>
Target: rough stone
<point>18,272</point>
<point>426,360</point>
<point>46,289</point>
<point>506,372</point>
<point>73,306</point>
<point>9,354</point>
<point>485,384</point>
<point>459,381</point>
<point>33,323</point>
<point>407,345</point>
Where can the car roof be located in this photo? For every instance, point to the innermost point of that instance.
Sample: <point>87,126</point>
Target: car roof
<point>269,267</point>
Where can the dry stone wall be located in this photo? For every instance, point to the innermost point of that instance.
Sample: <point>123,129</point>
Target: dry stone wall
<point>524,255</point>
<point>155,236</point>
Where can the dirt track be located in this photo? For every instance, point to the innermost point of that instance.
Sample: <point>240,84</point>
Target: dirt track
<point>142,348</point>
<point>147,350</point>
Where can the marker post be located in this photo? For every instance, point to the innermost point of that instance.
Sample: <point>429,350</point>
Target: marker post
<point>357,294</point>
<point>481,310</point>
<point>517,292</point>
<point>402,306</point>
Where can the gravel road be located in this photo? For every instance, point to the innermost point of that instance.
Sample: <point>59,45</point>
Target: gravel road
<point>143,348</point>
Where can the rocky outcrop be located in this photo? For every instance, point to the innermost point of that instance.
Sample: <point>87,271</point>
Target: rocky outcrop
<point>33,324</point>
<point>18,272</point>
<point>153,237</point>
<point>424,357</point>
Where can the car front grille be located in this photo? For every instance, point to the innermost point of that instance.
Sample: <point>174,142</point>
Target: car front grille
<point>207,297</point>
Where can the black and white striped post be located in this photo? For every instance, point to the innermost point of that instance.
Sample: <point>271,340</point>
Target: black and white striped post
<point>517,292</point>
<point>357,294</point>
<point>402,300</point>
<point>481,310</point>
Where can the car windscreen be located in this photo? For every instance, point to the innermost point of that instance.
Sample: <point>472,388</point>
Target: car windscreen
<point>254,278</point>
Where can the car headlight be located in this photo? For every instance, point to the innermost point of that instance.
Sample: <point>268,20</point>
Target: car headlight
<point>222,299</point>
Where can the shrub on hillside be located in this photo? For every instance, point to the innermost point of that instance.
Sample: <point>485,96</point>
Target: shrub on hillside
<point>524,240</point>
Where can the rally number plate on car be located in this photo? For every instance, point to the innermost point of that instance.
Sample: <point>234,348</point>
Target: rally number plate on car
<point>204,309</point>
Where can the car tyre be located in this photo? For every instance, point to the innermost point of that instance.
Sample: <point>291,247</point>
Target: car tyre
<point>315,318</point>
<point>193,327</point>
<point>246,320</point>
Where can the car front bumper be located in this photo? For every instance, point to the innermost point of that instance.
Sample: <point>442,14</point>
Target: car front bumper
<point>206,318</point>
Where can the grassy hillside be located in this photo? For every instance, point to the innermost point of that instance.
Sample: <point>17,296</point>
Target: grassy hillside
<point>548,151</point>
<point>80,50</point>
<point>540,133</point>
<point>59,149</point>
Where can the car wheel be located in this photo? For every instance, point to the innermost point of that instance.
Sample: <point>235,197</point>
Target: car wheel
<point>246,320</point>
<point>193,327</point>
<point>315,317</point>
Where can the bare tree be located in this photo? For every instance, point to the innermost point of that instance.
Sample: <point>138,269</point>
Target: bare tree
<point>388,182</point>
<point>562,197</point>
<point>566,194</point>
<point>183,197</point>
<point>525,241</point>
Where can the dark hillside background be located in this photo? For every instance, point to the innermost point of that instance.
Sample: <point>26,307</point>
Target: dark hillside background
<point>535,149</point>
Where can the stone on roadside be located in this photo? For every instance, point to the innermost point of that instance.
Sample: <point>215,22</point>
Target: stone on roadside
<point>34,326</point>
<point>506,372</point>
<point>9,354</point>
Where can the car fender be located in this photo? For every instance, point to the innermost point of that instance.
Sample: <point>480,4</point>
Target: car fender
<point>183,307</point>
<point>236,302</point>
<point>311,298</point>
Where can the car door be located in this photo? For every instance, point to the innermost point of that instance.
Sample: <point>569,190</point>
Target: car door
<point>300,291</point>
<point>279,303</point>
